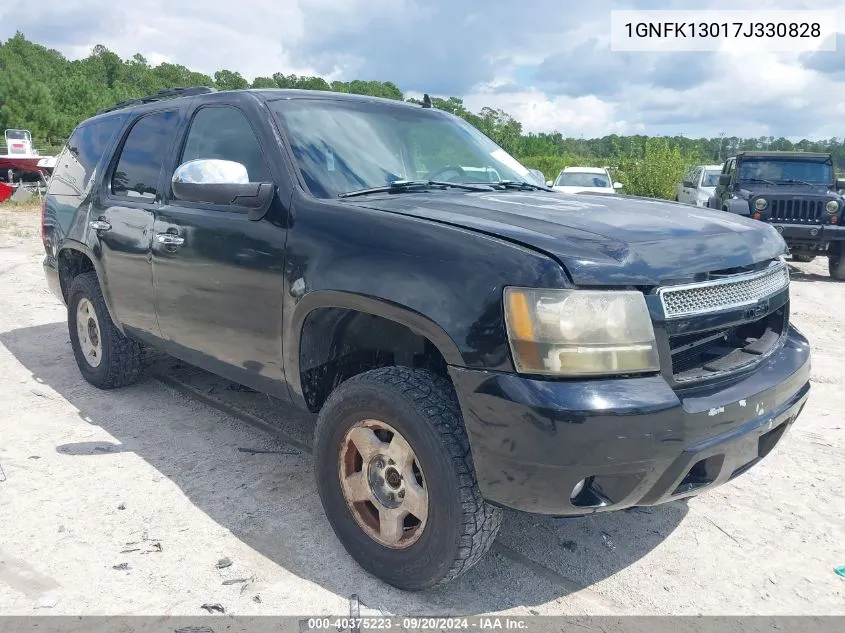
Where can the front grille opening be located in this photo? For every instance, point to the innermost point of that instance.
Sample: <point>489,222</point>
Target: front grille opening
<point>702,473</point>
<point>799,211</point>
<point>724,291</point>
<point>707,354</point>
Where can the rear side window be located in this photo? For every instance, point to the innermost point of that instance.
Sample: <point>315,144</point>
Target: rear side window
<point>77,162</point>
<point>224,133</point>
<point>138,170</point>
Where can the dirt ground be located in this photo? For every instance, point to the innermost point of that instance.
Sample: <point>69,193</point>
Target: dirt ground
<point>126,502</point>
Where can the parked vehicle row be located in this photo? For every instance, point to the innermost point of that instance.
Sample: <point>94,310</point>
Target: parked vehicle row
<point>468,341</point>
<point>795,192</point>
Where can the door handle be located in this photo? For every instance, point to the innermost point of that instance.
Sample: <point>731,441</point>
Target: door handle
<point>170,239</point>
<point>99,225</point>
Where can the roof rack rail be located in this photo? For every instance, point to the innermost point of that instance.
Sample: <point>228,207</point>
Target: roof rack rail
<point>169,93</point>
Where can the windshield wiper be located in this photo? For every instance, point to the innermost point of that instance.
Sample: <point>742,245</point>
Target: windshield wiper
<point>768,182</point>
<point>399,186</point>
<point>519,184</point>
<point>790,180</point>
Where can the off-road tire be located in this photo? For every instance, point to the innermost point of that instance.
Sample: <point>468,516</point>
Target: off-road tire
<point>836,264</point>
<point>800,257</point>
<point>424,409</point>
<point>122,357</point>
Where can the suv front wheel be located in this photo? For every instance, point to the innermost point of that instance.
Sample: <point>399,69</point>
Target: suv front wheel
<point>106,358</point>
<point>395,475</point>
<point>836,263</point>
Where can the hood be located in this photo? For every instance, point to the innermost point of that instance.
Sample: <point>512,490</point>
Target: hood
<point>706,192</point>
<point>600,240</point>
<point>790,190</point>
<point>565,189</point>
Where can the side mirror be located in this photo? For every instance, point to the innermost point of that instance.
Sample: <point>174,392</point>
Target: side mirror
<point>618,185</point>
<point>223,182</point>
<point>724,179</point>
<point>548,183</point>
<point>840,183</point>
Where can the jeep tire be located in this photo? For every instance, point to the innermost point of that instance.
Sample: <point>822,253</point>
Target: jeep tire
<point>836,262</point>
<point>390,445</point>
<point>106,358</point>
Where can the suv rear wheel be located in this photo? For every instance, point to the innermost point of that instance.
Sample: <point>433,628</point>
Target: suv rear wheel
<point>105,357</point>
<point>396,478</point>
<point>836,263</point>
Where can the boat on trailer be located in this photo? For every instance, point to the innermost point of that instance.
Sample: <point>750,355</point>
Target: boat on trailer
<point>21,156</point>
<point>21,165</point>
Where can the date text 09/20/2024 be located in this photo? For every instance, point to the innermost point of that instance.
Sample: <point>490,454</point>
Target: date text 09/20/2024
<point>416,623</point>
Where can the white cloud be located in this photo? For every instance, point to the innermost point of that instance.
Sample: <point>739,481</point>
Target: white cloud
<point>155,58</point>
<point>538,112</point>
<point>248,36</point>
<point>547,64</point>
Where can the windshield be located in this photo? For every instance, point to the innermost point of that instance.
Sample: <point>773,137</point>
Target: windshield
<point>779,170</point>
<point>710,178</point>
<point>343,146</point>
<point>582,179</point>
<point>17,135</point>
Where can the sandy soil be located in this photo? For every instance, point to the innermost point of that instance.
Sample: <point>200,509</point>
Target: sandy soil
<point>124,502</point>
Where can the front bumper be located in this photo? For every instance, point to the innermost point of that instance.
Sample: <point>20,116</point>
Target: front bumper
<point>806,234</point>
<point>635,440</point>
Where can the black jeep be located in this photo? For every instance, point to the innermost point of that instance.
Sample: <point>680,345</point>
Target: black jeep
<point>795,192</point>
<point>465,345</point>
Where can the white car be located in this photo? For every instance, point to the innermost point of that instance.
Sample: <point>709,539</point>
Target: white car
<point>699,184</point>
<point>585,180</point>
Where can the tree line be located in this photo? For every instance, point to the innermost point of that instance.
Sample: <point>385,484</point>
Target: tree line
<point>42,91</point>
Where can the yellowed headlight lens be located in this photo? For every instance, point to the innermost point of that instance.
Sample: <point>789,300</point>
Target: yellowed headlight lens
<point>579,332</point>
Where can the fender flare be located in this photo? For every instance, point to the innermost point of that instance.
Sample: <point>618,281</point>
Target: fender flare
<point>315,300</point>
<point>738,206</point>
<point>73,245</point>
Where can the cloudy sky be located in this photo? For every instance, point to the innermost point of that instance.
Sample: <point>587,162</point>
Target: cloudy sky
<point>547,62</point>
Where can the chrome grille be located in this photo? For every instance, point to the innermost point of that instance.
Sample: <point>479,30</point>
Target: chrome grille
<point>723,294</point>
<point>806,211</point>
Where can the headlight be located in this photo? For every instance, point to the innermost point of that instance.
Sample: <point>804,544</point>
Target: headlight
<point>832,206</point>
<point>760,204</point>
<point>579,332</point>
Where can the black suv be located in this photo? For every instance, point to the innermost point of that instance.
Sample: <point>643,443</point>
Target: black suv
<point>467,346</point>
<point>797,193</point>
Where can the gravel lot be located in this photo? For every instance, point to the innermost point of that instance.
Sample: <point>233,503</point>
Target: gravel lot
<point>125,502</point>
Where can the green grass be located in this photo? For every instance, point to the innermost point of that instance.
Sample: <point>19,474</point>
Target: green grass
<point>33,204</point>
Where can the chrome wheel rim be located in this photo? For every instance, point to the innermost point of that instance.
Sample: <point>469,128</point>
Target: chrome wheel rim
<point>383,484</point>
<point>88,331</point>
